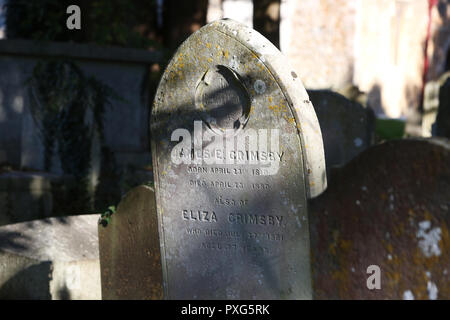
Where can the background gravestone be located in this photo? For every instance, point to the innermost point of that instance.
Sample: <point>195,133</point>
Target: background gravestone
<point>234,230</point>
<point>443,115</point>
<point>130,258</point>
<point>388,207</point>
<point>347,127</point>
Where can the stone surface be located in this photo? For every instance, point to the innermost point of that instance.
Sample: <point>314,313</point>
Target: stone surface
<point>25,196</point>
<point>54,258</point>
<point>234,228</point>
<point>130,258</point>
<point>347,127</point>
<point>443,115</point>
<point>388,207</point>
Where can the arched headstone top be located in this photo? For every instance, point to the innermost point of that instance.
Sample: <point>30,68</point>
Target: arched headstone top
<point>192,53</point>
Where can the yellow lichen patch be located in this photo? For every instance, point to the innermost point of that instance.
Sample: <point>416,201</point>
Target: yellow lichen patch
<point>208,45</point>
<point>428,215</point>
<point>398,229</point>
<point>345,245</point>
<point>278,108</point>
<point>393,279</point>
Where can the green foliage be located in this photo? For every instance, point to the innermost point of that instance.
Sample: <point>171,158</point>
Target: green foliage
<point>105,217</point>
<point>105,22</point>
<point>388,129</point>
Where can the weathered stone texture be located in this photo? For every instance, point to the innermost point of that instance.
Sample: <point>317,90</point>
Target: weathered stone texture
<point>130,258</point>
<point>388,207</point>
<point>227,76</point>
<point>54,258</point>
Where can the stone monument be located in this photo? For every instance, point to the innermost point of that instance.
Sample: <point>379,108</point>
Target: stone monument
<point>237,149</point>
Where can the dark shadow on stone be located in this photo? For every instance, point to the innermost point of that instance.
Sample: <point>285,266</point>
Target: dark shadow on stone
<point>12,240</point>
<point>29,284</point>
<point>63,293</point>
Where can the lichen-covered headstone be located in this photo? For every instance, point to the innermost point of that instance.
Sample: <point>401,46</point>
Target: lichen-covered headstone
<point>237,149</point>
<point>347,127</point>
<point>388,208</point>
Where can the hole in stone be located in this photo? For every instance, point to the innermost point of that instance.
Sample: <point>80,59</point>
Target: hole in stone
<point>222,99</point>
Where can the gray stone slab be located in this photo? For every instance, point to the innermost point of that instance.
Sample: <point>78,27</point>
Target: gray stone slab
<point>54,258</point>
<point>231,205</point>
<point>347,127</point>
<point>68,238</point>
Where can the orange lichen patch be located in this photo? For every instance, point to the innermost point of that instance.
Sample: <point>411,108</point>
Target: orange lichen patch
<point>278,108</point>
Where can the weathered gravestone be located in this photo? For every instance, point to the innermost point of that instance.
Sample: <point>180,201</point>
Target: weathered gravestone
<point>54,258</point>
<point>389,207</point>
<point>237,149</point>
<point>130,258</point>
<point>347,127</point>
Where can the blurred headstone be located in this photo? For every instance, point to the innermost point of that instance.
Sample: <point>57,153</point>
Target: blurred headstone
<point>388,208</point>
<point>347,127</point>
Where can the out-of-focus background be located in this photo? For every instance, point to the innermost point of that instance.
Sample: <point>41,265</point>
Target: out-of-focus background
<point>387,55</point>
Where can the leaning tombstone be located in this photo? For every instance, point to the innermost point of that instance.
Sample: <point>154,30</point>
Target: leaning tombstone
<point>237,150</point>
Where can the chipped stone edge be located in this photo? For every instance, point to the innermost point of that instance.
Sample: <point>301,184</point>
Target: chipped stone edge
<point>294,92</point>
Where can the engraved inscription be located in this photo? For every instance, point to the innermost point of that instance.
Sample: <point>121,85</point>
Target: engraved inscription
<point>199,215</point>
<point>265,220</point>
